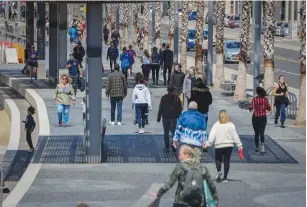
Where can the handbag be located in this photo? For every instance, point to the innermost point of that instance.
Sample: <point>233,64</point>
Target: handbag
<point>210,202</point>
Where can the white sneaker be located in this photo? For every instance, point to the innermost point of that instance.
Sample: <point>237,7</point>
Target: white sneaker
<point>112,123</point>
<point>141,131</point>
<point>218,176</point>
<point>262,149</point>
<point>119,123</point>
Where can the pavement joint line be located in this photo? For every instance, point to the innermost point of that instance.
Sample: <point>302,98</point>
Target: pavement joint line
<point>286,59</point>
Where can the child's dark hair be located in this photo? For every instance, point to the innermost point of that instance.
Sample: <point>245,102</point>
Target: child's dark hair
<point>139,78</point>
<point>261,92</point>
<point>31,110</point>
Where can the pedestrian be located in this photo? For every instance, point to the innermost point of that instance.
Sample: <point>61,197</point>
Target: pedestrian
<point>83,105</point>
<point>106,33</point>
<point>115,37</point>
<point>116,91</point>
<point>79,53</point>
<point>26,56</point>
<point>64,97</point>
<point>73,34</point>
<point>112,54</point>
<point>202,96</point>
<point>125,62</point>
<point>146,60</point>
<point>33,63</point>
<point>177,80</point>
<point>167,63</point>
<point>155,60</point>
<point>190,175</point>
<point>189,83</point>
<point>161,56</point>
<point>260,105</point>
<point>281,101</point>
<point>191,129</point>
<point>75,72</point>
<point>169,109</point>
<point>30,126</point>
<point>141,100</point>
<point>132,55</point>
<point>223,136</point>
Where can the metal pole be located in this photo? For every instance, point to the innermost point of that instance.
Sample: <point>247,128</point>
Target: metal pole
<point>176,33</point>
<point>117,18</point>
<point>1,183</point>
<point>210,45</point>
<point>257,42</point>
<point>153,23</point>
<point>18,11</point>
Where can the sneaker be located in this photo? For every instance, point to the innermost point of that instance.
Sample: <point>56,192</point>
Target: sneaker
<point>60,123</point>
<point>262,149</point>
<point>119,123</point>
<point>112,123</point>
<point>225,180</point>
<point>257,151</point>
<point>64,125</point>
<point>140,131</point>
<point>218,176</point>
<point>276,121</point>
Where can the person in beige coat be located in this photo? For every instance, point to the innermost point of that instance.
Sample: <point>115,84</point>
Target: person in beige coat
<point>188,83</point>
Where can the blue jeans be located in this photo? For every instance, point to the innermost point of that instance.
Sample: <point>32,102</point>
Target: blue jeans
<point>141,110</point>
<point>116,102</point>
<point>63,113</point>
<point>281,111</point>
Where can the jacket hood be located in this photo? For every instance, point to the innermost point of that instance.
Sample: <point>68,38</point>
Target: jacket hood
<point>140,86</point>
<point>191,163</point>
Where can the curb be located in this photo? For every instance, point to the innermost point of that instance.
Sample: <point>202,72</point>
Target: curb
<point>11,108</point>
<point>44,130</point>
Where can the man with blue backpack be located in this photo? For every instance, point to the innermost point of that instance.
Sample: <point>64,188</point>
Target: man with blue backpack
<point>75,72</point>
<point>112,54</point>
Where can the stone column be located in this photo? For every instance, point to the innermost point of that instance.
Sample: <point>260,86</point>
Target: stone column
<point>41,37</point>
<point>29,23</point>
<point>62,38</point>
<point>53,43</point>
<point>292,10</point>
<point>277,10</point>
<point>286,11</point>
<point>94,84</point>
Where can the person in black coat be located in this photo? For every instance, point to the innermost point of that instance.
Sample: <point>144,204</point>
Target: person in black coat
<point>79,53</point>
<point>202,96</point>
<point>169,109</point>
<point>167,60</point>
<point>30,126</point>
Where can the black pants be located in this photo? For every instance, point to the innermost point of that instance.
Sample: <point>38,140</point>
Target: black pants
<point>29,139</point>
<point>168,124</point>
<point>223,154</point>
<point>105,37</point>
<point>155,73</point>
<point>112,62</point>
<point>83,116</point>
<point>167,68</point>
<point>125,72</point>
<point>146,72</point>
<point>259,124</point>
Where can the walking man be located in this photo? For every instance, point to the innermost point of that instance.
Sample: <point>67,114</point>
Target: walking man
<point>177,80</point>
<point>75,72</point>
<point>202,96</point>
<point>169,109</point>
<point>26,51</point>
<point>191,129</point>
<point>79,53</point>
<point>112,54</point>
<point>116,91</point>
<point>167,63</point>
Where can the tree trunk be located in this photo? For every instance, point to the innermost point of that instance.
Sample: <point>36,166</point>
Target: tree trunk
<point>121,25</point>
<point>126,24</point>
<point>240,92</point>
<point>184,34</point>
<point>199,72</point>
<point>268,48</point>
<point>301,113</point>
<point>219,71</point>
<point>113,17</point>
<point>157,25</point>
<point>135,24</point>
<point>109,17</point>
<point>171,14</point>
<point>146,20</point>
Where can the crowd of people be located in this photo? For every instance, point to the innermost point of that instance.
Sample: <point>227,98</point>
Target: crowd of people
<point>76,30</point>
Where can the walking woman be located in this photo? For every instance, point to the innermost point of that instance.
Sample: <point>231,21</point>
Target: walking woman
<point>260,105</point>
<point>223,136</point>
<point>155,59</point>
<point>64,97</point>
<point>141,100</point>
<point>281,101</point>
<point>146,60</point>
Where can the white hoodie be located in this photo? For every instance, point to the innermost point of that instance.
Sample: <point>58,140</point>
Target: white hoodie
<point>141,94</point>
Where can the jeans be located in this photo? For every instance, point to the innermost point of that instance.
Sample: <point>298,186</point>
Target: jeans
<point>29,139</point>
<point>281,110</point>
<point>112,62</point>
<point>259,124</point>
<point>116,102</point>
<point>167,68</point>
<point>63,113</point>
<point>141,110</point>
<point>125,72</point>
<point>223,154</point>
<point>168,125</point>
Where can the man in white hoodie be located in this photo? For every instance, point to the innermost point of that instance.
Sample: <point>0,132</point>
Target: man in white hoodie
<point>141,100</point>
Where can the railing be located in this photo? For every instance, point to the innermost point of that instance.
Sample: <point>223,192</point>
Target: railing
<point>228,87</point>
<point>292,107</point>
<point>14,31</point>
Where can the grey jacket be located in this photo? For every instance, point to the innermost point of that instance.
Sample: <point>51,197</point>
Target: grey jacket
<point>187,86</point>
